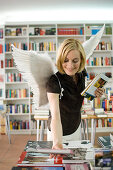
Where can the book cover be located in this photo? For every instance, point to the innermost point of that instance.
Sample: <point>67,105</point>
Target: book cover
<point>98,82</point>
<point>104,141</point>
<point>38,144</point>
<point>78,166</point>
<point>103,157</point>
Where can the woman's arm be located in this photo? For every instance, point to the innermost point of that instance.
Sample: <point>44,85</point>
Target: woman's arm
<point>56,126</point>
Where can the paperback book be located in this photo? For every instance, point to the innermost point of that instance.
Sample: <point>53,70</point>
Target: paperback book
<point>104,141</point>
<point>103,157</point>
<point>98,82</point>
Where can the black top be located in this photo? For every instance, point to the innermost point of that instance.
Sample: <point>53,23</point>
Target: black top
<point>71,101</point>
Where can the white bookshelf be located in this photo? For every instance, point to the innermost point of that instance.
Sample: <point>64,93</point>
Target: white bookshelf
<point>52,35</point>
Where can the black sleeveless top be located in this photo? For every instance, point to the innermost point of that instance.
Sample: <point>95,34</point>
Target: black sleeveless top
<point>71,101</point>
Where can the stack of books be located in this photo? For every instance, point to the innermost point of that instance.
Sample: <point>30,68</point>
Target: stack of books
<point>37,155</point>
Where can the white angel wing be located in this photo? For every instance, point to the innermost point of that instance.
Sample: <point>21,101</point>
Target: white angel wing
<point>91,44</point>
<point>36,69</point>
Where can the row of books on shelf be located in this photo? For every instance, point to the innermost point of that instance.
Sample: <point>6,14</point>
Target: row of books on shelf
<point>106,104</point>
<point>41,31</point>
<point>42,46</point>
<point>92,30</point>
<point>1,48</point>
<point>20,31</point>
<point>100,61</point>
<point>19,45</point>
<point>17,108</point>
<point>104,123</point>
<point>70,31</point>
<point>104,46</point>
<point>17,93</point>
<point>9,62</point>
<point>13,77</point>
<point>1,33</point>
<point>19,124</point>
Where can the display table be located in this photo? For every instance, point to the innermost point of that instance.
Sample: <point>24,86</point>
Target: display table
<point>93,119</point>
<point>41,120</point>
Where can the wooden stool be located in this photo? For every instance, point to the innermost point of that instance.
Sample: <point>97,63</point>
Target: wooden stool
<point>40,130</point>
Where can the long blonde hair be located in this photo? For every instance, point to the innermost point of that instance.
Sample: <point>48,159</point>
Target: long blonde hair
<point>65,48</point>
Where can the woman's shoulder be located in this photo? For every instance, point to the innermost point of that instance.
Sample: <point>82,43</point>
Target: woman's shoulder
<point>53,84</point>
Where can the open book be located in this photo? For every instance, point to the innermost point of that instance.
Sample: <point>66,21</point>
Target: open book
<point>98,82</point>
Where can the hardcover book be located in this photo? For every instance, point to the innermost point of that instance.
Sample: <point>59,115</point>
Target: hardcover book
<point>98,82</point>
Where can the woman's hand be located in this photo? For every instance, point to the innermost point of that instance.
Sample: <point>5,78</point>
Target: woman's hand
<point>99,92</point>
<point>57,146</point>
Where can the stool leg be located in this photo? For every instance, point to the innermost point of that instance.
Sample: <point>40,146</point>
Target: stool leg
<point>38,130</point>
<point>83,127</point>
<point>8,128</point>
<point>42,130</point>
<point>87,129</point>
<point>93,130</point>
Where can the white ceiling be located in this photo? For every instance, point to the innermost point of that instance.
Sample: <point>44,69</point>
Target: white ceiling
<point>17,7</point>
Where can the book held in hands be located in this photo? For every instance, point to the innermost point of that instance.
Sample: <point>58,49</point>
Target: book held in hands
<point>98,82</point>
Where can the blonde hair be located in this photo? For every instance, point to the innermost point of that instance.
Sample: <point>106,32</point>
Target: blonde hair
<point>65,48</point>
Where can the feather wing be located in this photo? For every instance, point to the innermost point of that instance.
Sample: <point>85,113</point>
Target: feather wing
<point>91,44</point>
<point>36,69</point>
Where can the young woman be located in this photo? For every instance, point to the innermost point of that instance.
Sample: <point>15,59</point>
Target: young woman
<point>63,91</point>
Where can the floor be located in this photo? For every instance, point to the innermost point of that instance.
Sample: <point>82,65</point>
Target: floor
<point>9,153</point>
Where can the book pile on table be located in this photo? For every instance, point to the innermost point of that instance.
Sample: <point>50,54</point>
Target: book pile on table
<point>36,154</point>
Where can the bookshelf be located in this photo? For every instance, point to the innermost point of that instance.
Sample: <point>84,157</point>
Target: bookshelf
<point>43,37</point>
<point>2,73</point>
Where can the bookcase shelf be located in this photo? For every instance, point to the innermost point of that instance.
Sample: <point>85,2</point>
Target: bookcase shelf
<point>25,34</point>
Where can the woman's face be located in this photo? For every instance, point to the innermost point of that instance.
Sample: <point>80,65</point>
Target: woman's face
<point>72,63</point>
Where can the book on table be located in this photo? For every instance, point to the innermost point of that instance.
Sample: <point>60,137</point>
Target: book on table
<point>103,157</point>
<point>104,141</point>
<point>98,82</point>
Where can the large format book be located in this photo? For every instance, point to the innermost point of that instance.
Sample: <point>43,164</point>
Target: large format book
<point>104,141</point>
<point>98,82</point>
